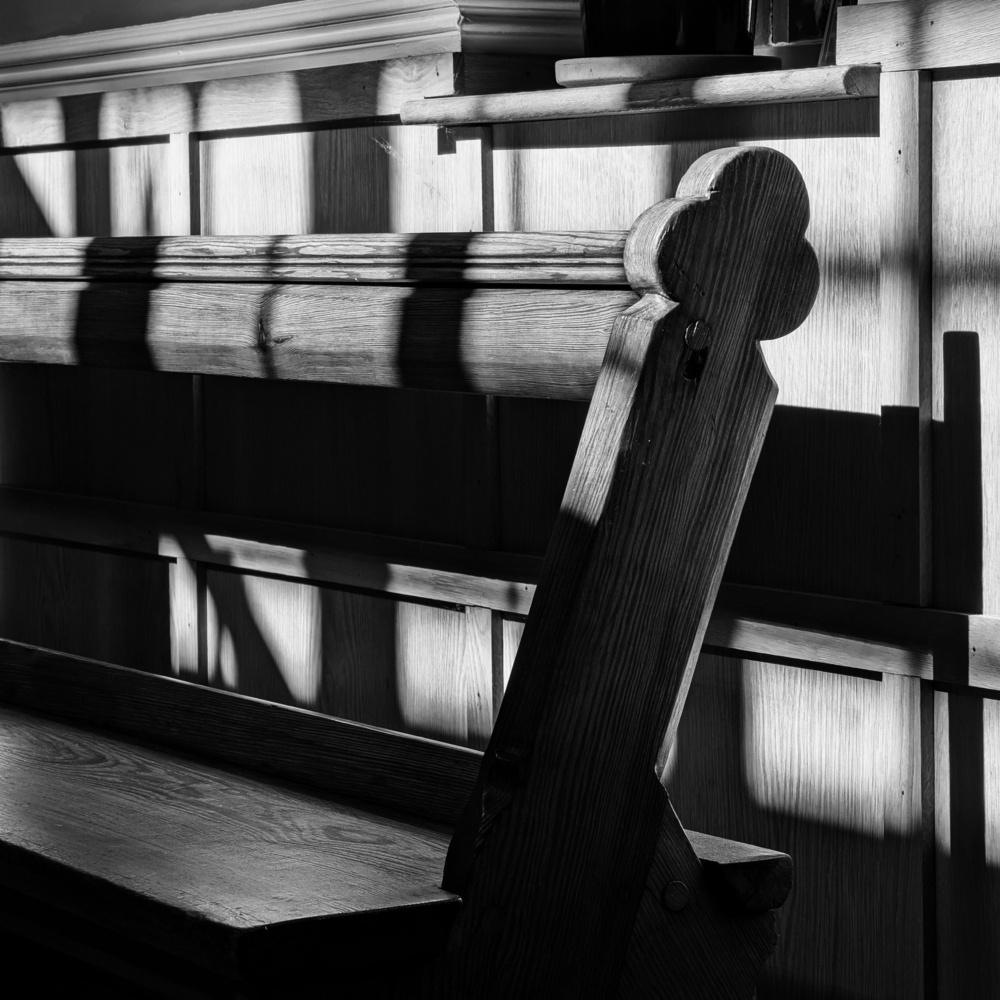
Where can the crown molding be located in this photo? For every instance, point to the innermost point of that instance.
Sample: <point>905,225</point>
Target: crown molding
<point>305,34</point>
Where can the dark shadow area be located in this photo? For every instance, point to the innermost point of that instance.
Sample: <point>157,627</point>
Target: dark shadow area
<point>429,354</point>
<point>958,479</point>
<point>809,522</point>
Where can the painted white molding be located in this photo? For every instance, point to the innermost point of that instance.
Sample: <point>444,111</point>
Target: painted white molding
<point>305,34</point>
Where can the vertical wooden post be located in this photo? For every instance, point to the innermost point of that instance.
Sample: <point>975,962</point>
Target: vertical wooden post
<point>566,842</point>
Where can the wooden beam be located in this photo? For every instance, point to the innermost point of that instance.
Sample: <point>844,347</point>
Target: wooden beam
<point>508,342</point>
<point>920,34</point>
<point>537,259</point>
<point>826,83</point>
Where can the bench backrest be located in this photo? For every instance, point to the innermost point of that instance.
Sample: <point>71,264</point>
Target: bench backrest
<point>568,846</point>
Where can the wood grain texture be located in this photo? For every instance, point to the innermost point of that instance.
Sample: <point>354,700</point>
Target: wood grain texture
<point>810,763</point>
<point>766,624</point>
<point>621,470</point>
<point>408,667</point>
<point>359,180</point>
<point>803,85</point>
<point>503,258</point>
<point>821,460</point>
<point>921,34</point>
<point>966,213</point>
<point>528,342</point>
<point>145,842</point>
<point>419,776</point>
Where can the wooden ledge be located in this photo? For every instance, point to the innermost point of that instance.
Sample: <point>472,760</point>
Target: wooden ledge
<point>826,83</point>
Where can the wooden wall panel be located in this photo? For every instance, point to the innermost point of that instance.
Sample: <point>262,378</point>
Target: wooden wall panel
<point>966,249</point>
<point>416,668</point>
<point>121,435</point>
<point>107,607</point>
<point>822,782</point>
<point>363,179</point>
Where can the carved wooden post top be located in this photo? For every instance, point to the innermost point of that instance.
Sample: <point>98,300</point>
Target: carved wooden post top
<point>754,200</point>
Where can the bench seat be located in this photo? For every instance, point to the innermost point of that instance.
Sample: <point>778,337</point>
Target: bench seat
<point>216,867</point>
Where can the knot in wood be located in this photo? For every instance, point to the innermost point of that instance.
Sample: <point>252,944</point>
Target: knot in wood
<point>731,247</point>
<point>698,335</point>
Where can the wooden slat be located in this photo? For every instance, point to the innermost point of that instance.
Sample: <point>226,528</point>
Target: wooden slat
<point>825,83</point>
<point>536,259</point>
<point>523,342</point>
<point>199,861</point>
<point>920,34</point>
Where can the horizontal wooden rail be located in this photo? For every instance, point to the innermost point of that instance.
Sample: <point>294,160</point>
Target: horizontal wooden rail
<point>396,566</point>
<point>541,342</point>
<point>537,259</point>
<point>759,623</point>
<point>827,83</point>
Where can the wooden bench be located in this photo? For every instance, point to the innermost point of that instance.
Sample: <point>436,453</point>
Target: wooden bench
<point>192,842</point>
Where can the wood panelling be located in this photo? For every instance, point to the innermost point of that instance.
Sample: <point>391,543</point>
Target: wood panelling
<point>365,179</point>
<point>966,251</point>
<point>108,607</point>
<point>417,668</point>
<point>807,763</point>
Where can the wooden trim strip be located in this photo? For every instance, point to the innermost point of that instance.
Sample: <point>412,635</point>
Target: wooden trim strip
<point>537,259</point>
<point>538,342</point>
<point>301,35</point>
<point>400,567</point>
<point>920,34</point>
<point>812,630</point>
<point>825,83</point>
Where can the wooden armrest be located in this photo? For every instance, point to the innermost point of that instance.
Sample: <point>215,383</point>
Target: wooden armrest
<point>753,878</point>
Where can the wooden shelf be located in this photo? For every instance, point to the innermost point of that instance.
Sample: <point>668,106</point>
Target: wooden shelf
<point>825,83</point>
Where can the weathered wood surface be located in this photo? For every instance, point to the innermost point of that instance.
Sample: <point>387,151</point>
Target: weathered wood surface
<point>825,83</point>
<point>564,259</point>
<point>524,342</point>
<point>568,798</point>
<point>209,864</point>
<point>920,34</point>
